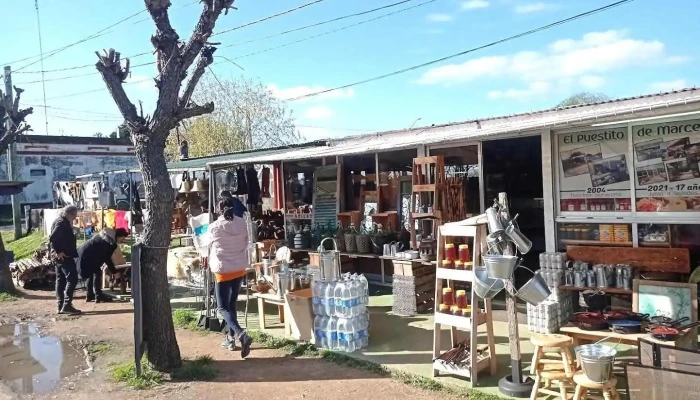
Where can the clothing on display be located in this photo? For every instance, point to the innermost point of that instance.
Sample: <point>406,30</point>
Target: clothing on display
<point>241,185</point>
<point>266,182</point>
<point>253,186</point>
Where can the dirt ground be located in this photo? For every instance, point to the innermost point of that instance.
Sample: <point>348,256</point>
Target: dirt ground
<point>266,374</point>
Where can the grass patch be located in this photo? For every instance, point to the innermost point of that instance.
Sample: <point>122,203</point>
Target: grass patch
<point>25,246</point>
<point>186,318</point>
<point>7,297</point>
<point>305,349</point>
<point>200,369</point>
<point>99,348</point>
<point>126,373</point>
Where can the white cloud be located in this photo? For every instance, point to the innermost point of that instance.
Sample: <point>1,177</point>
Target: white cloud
<point>533,8</point>
<point>474,4</point>
<point>313,133</point>
<point>591,81</point>
<point>318,112</point>
<point>669,85</point>
<point>582,62</point>
<point>439,17</point>
<point>297,91</point>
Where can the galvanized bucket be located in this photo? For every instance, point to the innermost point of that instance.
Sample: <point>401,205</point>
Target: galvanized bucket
<point>535,290</point>
<point>485,287</point>
<point>597,361</point>
<point>500,267</point>
<point>330,261</point>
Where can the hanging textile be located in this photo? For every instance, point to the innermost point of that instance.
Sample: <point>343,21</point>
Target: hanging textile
<point>266,182</point>
<point>253,186</point>
<point>241,184</point>
<point>278,203</point>
<point>120,220</point>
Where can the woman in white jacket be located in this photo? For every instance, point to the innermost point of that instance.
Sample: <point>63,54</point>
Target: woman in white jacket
<point>228,260</point>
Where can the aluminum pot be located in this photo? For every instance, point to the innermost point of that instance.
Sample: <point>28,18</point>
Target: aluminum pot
<point>485,287</point>
<point>534,291</point>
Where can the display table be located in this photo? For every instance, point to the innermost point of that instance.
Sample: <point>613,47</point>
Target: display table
<point>281,309</point>
<point>580,336</point>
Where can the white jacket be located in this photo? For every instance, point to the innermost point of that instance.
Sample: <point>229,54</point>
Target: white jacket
<point>228,251</point>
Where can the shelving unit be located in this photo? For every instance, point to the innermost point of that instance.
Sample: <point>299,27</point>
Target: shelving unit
<point>609,290</point>
<point>428,181</point>
<point>576,242</point>
<point>474,228</point>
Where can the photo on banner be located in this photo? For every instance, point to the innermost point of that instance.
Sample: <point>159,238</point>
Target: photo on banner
<point>667,166</point>
<point>594,171</point>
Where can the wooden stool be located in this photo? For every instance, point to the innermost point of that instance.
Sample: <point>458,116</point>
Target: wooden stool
<point>551,374</point>
<point>563,358</point>
<point>583,384</point>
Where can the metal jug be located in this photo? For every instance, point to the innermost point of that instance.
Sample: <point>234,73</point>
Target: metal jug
<point>521,241</point>
<point>387,251</point>
<point>396,247</point>
<point>495,222</point>
<point>329,261</point>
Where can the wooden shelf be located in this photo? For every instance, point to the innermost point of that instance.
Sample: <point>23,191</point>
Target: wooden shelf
<point>459,322</point>
<point>455,275</point>
<point>482,364</point>
<point>576,242</point>
<point>421,215</point>
<point>610,290</point>
<point>654,244</point>
<point>430,187</point>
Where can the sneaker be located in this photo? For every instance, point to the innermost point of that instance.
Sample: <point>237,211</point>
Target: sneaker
<point>103,298</point>
<point>70,310</point>
<point>89,299</point>
<point>229,343</point>
<point>246,342</point>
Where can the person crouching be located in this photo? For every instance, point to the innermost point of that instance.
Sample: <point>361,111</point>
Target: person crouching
<point>95,253</point>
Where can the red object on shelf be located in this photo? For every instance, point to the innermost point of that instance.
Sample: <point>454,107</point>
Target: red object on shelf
<point>465,254</point>
<point>448,297</point>
<point>450,252</point>
<point>461,300</point>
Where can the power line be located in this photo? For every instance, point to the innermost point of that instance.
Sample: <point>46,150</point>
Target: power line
<point>77,111</point>
<point>81,66</point>
<point>530,32</point>
<point>268,17</point>
<point>319,23</point>
<point>334,30</point>
<point>41,52</point>
<point>62,78</point>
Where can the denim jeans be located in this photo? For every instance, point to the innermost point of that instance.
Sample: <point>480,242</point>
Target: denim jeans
<point>226,297</point>
<point>66,279</point>
<point>93,284</point>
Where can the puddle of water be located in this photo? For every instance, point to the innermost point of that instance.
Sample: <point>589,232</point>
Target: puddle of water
<point>31,363</point>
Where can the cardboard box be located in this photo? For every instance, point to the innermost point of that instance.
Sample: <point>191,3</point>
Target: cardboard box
<point>301,315</point>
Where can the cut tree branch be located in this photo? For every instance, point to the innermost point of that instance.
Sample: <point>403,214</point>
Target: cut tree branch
<point>166,40</point>
<point>195,111</point>
<point>10,112</point>
<point>203,30</point>
<point>114,75</point>
<point>206,58</point>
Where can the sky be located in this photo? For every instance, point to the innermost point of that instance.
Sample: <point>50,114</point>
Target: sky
<point>641,47</point>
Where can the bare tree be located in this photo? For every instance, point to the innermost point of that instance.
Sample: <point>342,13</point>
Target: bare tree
<point>10,112</point>
<point>582,98</point>
<point>149,135</point>
<point>247,116</point>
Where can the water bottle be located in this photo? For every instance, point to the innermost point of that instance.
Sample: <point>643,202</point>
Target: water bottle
<point>319,330</point>
<point>350,334</point>
<point>347,299</point>
<point>329,301</point>
<point>357,325</point>
<point>318,292</point>
<point>364,285</point>
<point>332,333</point>
<point>339,294</point>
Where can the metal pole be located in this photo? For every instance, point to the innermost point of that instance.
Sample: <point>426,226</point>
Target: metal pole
<point>138,305</point>
<point>12,171</point>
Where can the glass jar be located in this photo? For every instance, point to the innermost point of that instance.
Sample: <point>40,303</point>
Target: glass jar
<point>450,252</point>
<point>447,264</point>
<point>459,265</point>
<point>468,266</point>
<point>467,311</point>
<point>448,297</point>
<point>444,308</point>
<point>455,310</point>
<point>461,299</point>
<point>464,254</point>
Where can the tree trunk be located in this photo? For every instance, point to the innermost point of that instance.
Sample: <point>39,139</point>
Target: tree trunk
<point>6,284</point>
<point>159,332</point>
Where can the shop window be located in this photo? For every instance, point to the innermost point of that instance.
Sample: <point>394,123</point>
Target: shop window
<point>667,165</point>
<point>594,171</point>
<point>579,234</point>
<point>462,168</point>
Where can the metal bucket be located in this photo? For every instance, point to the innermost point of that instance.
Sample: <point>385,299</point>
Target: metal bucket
<point>329,261</point>
<point>500,267</point>
<point>534,291</point>
<point>485,287</point>
<point>495,222</point>
<point>597,361</point>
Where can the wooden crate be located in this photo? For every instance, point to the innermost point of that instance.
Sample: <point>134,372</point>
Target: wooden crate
<point>412,268</point>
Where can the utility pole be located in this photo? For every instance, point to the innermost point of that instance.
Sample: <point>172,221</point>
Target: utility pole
<point>12,172</point>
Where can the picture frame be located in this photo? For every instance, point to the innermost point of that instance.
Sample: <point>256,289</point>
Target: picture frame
<point>670,299</point>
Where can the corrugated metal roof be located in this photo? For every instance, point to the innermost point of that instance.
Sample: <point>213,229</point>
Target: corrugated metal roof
<point>553,118</point>
<point>200,163</point>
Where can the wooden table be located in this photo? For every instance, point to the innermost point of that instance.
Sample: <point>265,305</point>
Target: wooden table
<point>580,336</point>
<point>121,268</point>
<point>282,309</point>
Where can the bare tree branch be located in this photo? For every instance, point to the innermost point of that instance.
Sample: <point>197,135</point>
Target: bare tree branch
<point>166,40</point>
<point>195,111</point>
<point>203,30</point>
<point>205,59</point>
<point>114,75</point>
<point>10,111</point>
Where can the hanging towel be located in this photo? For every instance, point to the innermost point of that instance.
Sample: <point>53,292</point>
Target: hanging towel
<point>200,234</point>
<point>253,186</point>
<point>120,220</point>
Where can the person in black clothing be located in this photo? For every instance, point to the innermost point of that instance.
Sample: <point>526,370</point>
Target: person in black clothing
<point>92,255</point>
<point>63,252</point>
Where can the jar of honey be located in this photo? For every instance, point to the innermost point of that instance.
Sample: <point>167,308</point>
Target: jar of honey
<point>464,254</point>
<point>448,297</point>
<point>459,265</point>
<point>461,299</point>
<point>444,308</point>
<point>469,265</point>
<point>467,311</point>
<point>455,310</point>
<point>450,252</point>
<point>447,264</point>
